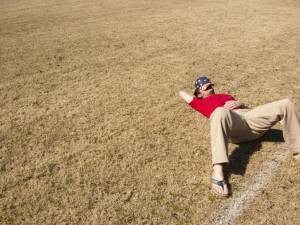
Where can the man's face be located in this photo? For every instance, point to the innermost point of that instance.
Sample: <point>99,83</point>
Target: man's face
<point>207,92</point>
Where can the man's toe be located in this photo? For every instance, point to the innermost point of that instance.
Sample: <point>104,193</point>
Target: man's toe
<point>221,190</point>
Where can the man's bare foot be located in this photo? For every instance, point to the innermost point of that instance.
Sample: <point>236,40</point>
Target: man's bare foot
<point>297,156</point>
<point>221,188</point>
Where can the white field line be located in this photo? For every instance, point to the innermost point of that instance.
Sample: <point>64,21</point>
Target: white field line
<point>238,203</point>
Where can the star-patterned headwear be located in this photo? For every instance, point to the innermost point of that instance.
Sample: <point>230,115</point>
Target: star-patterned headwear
<point>202,83</point>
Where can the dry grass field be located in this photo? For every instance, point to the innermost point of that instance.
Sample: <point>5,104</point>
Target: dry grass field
<point>92,130</point>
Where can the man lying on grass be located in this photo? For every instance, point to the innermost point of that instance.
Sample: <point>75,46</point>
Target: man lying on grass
<point>231,121</point>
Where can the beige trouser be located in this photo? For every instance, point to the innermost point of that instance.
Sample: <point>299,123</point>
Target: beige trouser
<point>245,125</point>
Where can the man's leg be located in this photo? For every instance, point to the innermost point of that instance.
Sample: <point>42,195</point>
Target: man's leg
<point>224,123</point>
<point>264,117</point>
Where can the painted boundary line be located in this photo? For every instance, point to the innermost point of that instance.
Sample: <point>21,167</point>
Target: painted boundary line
<point>238,203</point>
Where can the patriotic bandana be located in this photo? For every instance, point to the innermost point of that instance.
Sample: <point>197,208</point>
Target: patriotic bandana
<point>202,83</point>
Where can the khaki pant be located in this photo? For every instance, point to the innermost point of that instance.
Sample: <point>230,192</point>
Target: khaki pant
<point>245,125</point>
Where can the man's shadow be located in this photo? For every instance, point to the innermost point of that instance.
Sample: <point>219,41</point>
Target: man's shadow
<point>239,158</point>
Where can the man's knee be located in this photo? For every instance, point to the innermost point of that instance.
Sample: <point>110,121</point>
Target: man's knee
<point>287,103</point>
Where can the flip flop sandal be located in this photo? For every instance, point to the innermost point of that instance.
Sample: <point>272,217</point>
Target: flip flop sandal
<point>221,184</point>
<point>294,154</point>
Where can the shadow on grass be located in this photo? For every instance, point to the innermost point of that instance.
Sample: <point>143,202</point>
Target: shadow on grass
<point>239,158</point>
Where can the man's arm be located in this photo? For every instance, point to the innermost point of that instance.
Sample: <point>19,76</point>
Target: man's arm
<point>235,104</point>
<point>186,96</point>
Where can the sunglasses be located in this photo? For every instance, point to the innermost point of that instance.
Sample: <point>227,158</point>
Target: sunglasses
<point>208,88</point>
<point>197,91</point>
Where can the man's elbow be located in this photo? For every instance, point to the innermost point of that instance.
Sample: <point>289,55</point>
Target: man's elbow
<point>186,96</point>
<point>181,93</point>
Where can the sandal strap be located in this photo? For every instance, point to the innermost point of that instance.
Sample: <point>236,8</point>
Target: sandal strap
<point>219,182</point>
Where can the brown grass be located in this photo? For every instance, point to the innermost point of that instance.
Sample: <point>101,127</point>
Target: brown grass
<point>92,128</point>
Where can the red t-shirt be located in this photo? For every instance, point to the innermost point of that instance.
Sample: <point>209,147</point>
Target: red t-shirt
<point>207,106</point>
